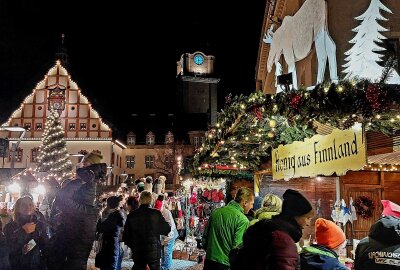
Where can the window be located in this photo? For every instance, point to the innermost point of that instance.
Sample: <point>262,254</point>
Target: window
<point>169,161</point>
<point>82,126</point>
<point>34,154</point>
<point>72,126</point>
<point>169,137</point>
<point>38,126</point>
<point>150,138</point>
<point>27,126</point>
<point>149,162</point>
<point>131,140</point>
<point>18,155</point>
<point>196,142</point>
<point>203,140</point>
<point>130,162</point>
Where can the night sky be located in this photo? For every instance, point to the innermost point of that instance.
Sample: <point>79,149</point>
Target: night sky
<point>108,40</point>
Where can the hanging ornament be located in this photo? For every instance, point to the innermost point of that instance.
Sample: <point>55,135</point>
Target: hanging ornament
<point>376,97</point>
<point>295,101</point>
<point>272,123</point>
<point>270,135</point>
<point>257,112</point>
<point>228,99</point>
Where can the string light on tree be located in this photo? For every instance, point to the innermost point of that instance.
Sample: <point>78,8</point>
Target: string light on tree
<point>53,155</point>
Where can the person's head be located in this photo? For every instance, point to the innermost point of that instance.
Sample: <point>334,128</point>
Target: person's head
<point>328,234</point>
<point>245,198</point>
<point>390,209</point>
<point>145,198</point>
<point>113,202</point>
<point>93,157</point>
<point>159,202</point>
<point>132,202</point>
<point>295,205</point>
<point>24,206</point>
<point>272,203</point>
<point>140,187</point>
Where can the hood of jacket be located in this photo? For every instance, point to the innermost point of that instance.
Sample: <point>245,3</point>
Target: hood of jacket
<point>265,213</point>
<point>386,230</point>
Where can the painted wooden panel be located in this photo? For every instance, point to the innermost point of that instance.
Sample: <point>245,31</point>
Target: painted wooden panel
<point>40,95</point>
<point>28,110</point>
<point>62,80</point>
<point>73,96</point>
<point>83,110</point>
<point>39,109</point>
<point>72,109</point>
<point>391,187</point>
<point>51,80</point>
<point>361,177</point>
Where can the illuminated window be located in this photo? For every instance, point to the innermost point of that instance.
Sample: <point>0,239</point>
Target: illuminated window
<point>130,162</point>
<point>149,162</point>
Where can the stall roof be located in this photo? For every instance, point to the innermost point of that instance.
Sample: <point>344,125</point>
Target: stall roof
<point>388,158</point>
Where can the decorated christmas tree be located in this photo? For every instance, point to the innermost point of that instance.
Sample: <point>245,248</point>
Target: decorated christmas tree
<point>53,156</point>
<point>362,59</point>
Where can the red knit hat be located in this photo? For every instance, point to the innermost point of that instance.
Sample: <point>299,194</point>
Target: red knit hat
<point>328,234</point>
<point>390,209</point>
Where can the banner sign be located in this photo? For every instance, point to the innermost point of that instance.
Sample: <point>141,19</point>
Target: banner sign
<point>338,152</point>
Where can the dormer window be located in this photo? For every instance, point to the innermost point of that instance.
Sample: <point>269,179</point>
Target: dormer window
<point>169,137</point>
<point>150,138</point>
<point>131,138</point>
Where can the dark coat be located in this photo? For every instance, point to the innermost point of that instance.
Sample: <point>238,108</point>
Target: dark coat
<point>4,252</point>
<point>319,257</point>
<point>381,249</point>
<point>16,239</point>
<point>269,244</point>
<point>74,216</point>
<point>142,232</point>
<point>109,254</point>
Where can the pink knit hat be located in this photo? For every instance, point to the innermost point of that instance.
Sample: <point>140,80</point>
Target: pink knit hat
<point>390,209</point>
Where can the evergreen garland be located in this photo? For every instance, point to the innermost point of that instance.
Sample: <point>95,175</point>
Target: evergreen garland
<point>249,126</point>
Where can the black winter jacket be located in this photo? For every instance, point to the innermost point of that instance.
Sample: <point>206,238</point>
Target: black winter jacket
<point>111,227</point>
<point>381,249</point>
<point>142,232</point>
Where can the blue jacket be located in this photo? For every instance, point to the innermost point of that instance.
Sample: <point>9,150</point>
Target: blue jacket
<point>319,257</point>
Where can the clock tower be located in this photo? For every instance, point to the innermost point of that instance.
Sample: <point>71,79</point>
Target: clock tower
<point>197,86</point>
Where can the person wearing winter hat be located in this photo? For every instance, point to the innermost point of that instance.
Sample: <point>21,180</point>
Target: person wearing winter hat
<point>271,244</point>
<point>93,157</point>
<point>324,255</point>
<point>271,206</point>
<point>380,250</point>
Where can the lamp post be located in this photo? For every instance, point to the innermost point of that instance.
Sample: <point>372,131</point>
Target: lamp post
<point>14,146</point>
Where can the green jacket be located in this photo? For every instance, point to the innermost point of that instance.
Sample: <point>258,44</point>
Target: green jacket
<point>224,231</point>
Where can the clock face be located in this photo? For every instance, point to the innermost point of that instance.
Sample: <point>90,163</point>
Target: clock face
<point>198,59</point>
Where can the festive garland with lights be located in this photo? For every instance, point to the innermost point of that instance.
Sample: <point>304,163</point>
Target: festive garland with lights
<point>364,207</point>
<point>248,127</point>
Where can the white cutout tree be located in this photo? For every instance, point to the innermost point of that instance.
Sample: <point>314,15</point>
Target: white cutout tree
<point>362,59</point>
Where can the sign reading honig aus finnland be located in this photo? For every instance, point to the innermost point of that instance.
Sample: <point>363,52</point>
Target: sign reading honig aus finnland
<point>338,152</point>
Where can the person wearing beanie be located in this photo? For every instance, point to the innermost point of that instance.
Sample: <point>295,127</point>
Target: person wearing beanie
<point>110,224</point>
<point>271,206</point>
<point>380,250</point>
<point>278,234</point>
<point>324,255</point>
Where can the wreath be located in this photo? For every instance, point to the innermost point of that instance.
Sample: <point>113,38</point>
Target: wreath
<point>364,206</point>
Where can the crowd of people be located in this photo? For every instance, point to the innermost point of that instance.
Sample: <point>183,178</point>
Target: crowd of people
<point>142,219</point>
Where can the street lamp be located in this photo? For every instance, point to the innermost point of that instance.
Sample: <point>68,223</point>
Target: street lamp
<point>14,146</point>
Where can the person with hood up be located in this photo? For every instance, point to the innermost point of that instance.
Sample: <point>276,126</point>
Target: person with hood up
<point>271,244</point>
<point>380,250</point>
<point>271,206</point>
<point>110,224</point>
<point>324,255</point>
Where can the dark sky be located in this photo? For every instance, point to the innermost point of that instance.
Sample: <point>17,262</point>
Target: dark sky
<point>108,40</point>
